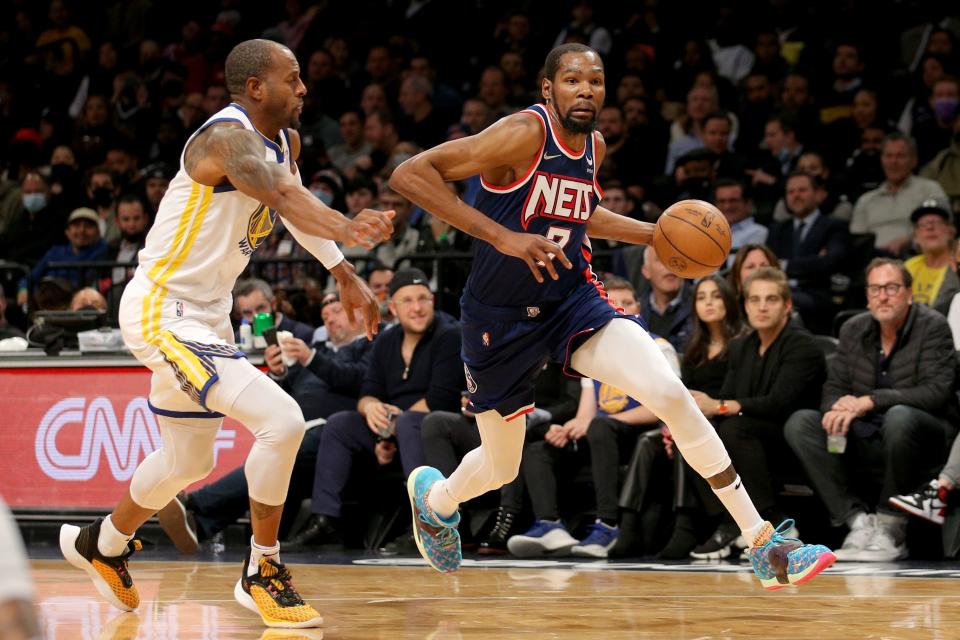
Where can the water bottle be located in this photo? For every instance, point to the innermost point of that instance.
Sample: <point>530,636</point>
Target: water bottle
<point>246,335</point>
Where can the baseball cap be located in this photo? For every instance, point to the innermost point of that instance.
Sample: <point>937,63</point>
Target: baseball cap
<point>407,277</point>
<point>930,206</point>
<point>84,213</point>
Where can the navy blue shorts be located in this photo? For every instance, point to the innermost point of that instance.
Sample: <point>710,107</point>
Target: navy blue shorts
<point>505,348</point>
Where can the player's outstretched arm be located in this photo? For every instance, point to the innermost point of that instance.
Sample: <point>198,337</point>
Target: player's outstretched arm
<point>232,152</point>
<point>512,142</point>
<point>608,225</point>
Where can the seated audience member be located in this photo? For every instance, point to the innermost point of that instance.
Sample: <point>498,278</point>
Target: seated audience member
<point>704,367</point>
<point>415,368</point>
<point>327,375</point>
<point>811,247</point>
<point>83,245</point>
<point>945,166</point>
<point>133,222</point>
<point>830,199</point>
<point>934,271</point>
<point>88,298</point>
<point>611,422</point>
<point>772,372</point>
<point>885,415</point>
<point>328,382</point>
<point>379,277</point>
<point>731,198</point>
<point>749,258</point>
<point>932,500</point>
<point>667,312</point>
<point>7,330</point>
<point>448,437</point>
<point>885,211</point>
<point>255,296</point>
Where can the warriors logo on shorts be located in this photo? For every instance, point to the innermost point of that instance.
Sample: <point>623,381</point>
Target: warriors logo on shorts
<point>471,383</point>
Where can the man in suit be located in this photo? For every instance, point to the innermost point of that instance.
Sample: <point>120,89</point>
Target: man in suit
<point>811,248</point>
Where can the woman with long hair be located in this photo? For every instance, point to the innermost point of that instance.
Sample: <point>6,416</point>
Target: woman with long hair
<point>717,320</point>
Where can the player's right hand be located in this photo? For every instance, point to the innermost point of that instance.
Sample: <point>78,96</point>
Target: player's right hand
<point>536,251</point>
<point>368,228</point>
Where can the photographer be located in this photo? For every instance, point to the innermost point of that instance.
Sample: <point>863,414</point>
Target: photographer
<point>415,369</point>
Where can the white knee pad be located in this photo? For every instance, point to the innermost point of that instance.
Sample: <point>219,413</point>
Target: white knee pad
<point>185,457</point>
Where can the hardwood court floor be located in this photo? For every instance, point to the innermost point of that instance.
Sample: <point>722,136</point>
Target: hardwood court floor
<point>186,600</point>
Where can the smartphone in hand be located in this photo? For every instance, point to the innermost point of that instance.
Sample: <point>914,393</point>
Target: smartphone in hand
<point>270,335</point>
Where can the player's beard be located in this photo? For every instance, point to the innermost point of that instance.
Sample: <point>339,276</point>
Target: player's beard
<point>573,125</point>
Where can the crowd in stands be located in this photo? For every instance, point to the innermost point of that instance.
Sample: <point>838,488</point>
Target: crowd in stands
<point>824,352</point>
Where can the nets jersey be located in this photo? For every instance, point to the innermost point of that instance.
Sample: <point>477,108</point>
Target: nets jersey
<point>554,198</point>
<point>203,237</point>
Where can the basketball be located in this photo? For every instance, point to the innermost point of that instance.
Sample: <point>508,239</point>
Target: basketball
<point>692,238</point>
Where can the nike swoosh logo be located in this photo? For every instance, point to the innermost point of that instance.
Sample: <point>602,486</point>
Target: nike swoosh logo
<point>549,157</point>
<point>737,486</point>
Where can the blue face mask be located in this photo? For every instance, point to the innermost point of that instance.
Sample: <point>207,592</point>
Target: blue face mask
<point>33,202</point>
<point>946,109</point>
<point>322,196</point>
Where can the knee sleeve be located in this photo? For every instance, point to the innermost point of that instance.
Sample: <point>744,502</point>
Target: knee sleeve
<point>185,456</point>
<point>275,420</point>
<point>657,387</point>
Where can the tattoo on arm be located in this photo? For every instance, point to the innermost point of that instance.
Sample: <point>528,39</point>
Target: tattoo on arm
<point>241,153</point>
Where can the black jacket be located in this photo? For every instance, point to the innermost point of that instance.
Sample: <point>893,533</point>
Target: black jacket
<point>922,367</point>
<point>788,377</point>
<point>821,253</point>
<point>331,381</point>
<point>435,372</point>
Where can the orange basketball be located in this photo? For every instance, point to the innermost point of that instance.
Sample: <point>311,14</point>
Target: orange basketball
<point>692,238</point>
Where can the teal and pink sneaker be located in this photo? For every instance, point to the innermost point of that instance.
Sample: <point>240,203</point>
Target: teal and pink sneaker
<point>779,561</point>
<point>437,539</point>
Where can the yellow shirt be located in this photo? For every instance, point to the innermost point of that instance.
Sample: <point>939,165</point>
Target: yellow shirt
<point>926,280</point>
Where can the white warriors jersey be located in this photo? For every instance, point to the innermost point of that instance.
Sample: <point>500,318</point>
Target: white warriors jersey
<point>203,237</point>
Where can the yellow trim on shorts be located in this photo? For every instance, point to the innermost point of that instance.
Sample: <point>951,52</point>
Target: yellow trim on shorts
<point>186,361</point>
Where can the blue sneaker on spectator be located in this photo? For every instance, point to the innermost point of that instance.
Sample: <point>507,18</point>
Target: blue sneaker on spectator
<point>598,542</point>
<point>544,537</point>
<point>437,538</point>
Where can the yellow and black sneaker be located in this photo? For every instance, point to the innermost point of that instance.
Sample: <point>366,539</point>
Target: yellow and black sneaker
<point>110,575</point>
<point>270,594</point>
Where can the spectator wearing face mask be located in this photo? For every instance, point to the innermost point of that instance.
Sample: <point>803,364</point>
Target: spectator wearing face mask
<point>945,166</point>
<point>934,133</point>
<point>102,193</point>
<point>36,225</point>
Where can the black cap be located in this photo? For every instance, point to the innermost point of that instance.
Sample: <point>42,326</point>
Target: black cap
<point>406,277</point>
<point>930,206</point>
<point>158,170</point>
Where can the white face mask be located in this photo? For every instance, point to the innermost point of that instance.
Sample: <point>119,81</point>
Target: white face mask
<point>323,196</point>
<point>33,202</point>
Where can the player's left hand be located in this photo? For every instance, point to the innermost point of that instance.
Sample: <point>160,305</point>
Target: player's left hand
<point>356,297</point>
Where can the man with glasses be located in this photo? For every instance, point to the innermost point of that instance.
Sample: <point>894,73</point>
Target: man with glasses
<point>887,413</point>
<point>934,270</point>
<point>731,198</point>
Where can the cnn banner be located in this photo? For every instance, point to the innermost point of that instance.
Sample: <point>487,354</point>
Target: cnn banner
<point>73,437</point>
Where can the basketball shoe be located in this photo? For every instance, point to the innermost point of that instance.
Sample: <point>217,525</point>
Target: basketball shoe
<point>545,537</point>
<point>779,561</point>
<point>437,538</point>
<point>270,594</point>
<point>929,502</point>
<point>110,575</point>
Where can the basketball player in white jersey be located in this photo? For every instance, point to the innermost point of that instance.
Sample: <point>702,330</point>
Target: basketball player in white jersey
<point>237,173</point>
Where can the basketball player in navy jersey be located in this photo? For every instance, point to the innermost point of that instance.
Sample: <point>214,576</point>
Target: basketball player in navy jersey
<point>533,216</point>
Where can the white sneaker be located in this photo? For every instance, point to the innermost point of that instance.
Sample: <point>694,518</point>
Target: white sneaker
<point>885,545</point>
<point>859,537</point>
<point>544,537</point>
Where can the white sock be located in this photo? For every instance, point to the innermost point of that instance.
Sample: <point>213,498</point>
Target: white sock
<point>440,500</point>
<point>111,541</point>
<point>257,551</point>
<point>738,503</point>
